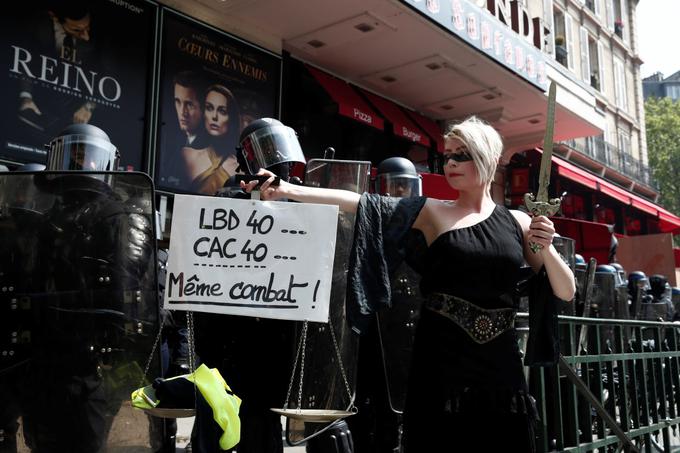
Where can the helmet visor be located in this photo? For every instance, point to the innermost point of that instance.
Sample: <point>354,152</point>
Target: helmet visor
<point>82,152</point>
<point>398,186</point>
<point>269,146</point>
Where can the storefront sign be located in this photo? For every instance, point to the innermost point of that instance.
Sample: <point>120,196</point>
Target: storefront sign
<point>251,258</point>
<point>212,86</point>
<point>70,62</point>
<point>478,27</point>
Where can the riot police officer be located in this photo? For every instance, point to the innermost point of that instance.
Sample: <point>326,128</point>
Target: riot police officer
<point>385,349</point>
<point>638,284</point>
<point>253,354</point>
<point>84,284</point>
<point>397,177</point>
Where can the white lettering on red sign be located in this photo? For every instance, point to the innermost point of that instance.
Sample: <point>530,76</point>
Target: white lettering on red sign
<point>410,134</point>
<point>358,114</point>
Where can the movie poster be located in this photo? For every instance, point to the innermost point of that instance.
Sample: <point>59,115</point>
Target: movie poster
<point>212,85</point>
<point>74,61</point>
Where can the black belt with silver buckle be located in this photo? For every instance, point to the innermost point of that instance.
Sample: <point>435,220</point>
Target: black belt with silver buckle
<point>483,325</point>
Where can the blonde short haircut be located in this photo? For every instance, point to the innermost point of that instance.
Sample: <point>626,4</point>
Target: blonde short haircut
<point>483,143</point>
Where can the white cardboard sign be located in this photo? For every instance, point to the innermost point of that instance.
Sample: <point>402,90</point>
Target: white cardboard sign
<point>251,258</point>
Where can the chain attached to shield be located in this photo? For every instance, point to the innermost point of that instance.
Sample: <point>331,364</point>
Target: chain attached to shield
<point>540,204</point>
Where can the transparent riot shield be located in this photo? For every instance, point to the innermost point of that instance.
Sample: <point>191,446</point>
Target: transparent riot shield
<point>78,309</point>
<point>323,382</point>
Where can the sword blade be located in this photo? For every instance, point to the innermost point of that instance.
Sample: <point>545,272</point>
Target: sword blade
<point>546,159</point>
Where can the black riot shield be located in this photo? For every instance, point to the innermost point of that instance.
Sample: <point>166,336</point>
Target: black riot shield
<point>609,300</point>
<point>326,360</point>
<point>78,309</point>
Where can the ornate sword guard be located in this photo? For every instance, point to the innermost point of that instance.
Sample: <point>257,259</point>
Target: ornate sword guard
<point>546,208</point>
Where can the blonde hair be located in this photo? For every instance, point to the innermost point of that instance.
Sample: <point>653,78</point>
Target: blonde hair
<point>483,142</point>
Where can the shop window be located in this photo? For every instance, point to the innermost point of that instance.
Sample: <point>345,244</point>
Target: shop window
<point>633,226</point>
<point>605,215</point>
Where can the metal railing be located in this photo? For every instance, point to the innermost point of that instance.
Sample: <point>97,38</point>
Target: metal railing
<point>631,367</point>
<point>614,158</point>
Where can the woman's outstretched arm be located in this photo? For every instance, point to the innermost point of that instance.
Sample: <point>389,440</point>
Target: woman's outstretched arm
<point>345,199</point>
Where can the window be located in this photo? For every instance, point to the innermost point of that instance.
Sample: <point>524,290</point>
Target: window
<point>585,55</point>
<point>600,66</point>
<point>624,142</point>
<point>560,38</point>
<point>620,84</point>
<point>623,8</point>
<point>569,28</point>
<point>548,21</point>
<point>673,91</point>
<point>610,14</point>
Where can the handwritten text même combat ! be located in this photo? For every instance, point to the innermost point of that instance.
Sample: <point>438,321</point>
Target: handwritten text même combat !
<point>239,291</point>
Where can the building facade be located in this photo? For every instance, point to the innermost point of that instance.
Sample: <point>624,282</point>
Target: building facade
<point>377,78</point>
<point>658,86</point>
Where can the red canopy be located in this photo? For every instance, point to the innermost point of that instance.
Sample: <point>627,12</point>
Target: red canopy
<point>591,239</point>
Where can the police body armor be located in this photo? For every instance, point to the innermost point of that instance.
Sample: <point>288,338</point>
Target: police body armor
<point>78,306</point>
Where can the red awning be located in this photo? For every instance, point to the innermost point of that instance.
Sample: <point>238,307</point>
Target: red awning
<point>430,127</point>
<point>644,205</point>
<point>349,102</point>
<point>614,191</point>
<point>668,222</point>
<point>574,173</point>
<point>402,125</point>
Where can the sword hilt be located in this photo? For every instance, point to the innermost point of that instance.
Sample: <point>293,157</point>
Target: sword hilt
<point>540,207</point>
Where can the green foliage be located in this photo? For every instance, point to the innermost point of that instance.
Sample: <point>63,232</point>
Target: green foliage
<point>662,118</point>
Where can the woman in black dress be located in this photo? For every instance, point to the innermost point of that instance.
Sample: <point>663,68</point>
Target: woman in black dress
<point>467,390</point>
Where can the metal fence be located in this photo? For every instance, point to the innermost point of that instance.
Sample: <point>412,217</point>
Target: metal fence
<point>614,158</point>
<point>632,371</point>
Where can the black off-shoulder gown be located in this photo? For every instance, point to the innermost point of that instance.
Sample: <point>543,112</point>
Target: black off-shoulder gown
<point>464,396</point>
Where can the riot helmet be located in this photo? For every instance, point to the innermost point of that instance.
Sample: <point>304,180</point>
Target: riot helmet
<point>658,286</point>
<point>605,269</point>
<point>268,143</point>
<point>397,177</point>
<point>637,279</point>
<point>82,147</point>
<point>675,297</point>
<point>620,271</point>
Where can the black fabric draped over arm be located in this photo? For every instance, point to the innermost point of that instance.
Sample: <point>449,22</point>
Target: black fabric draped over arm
<point>381,226</point>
